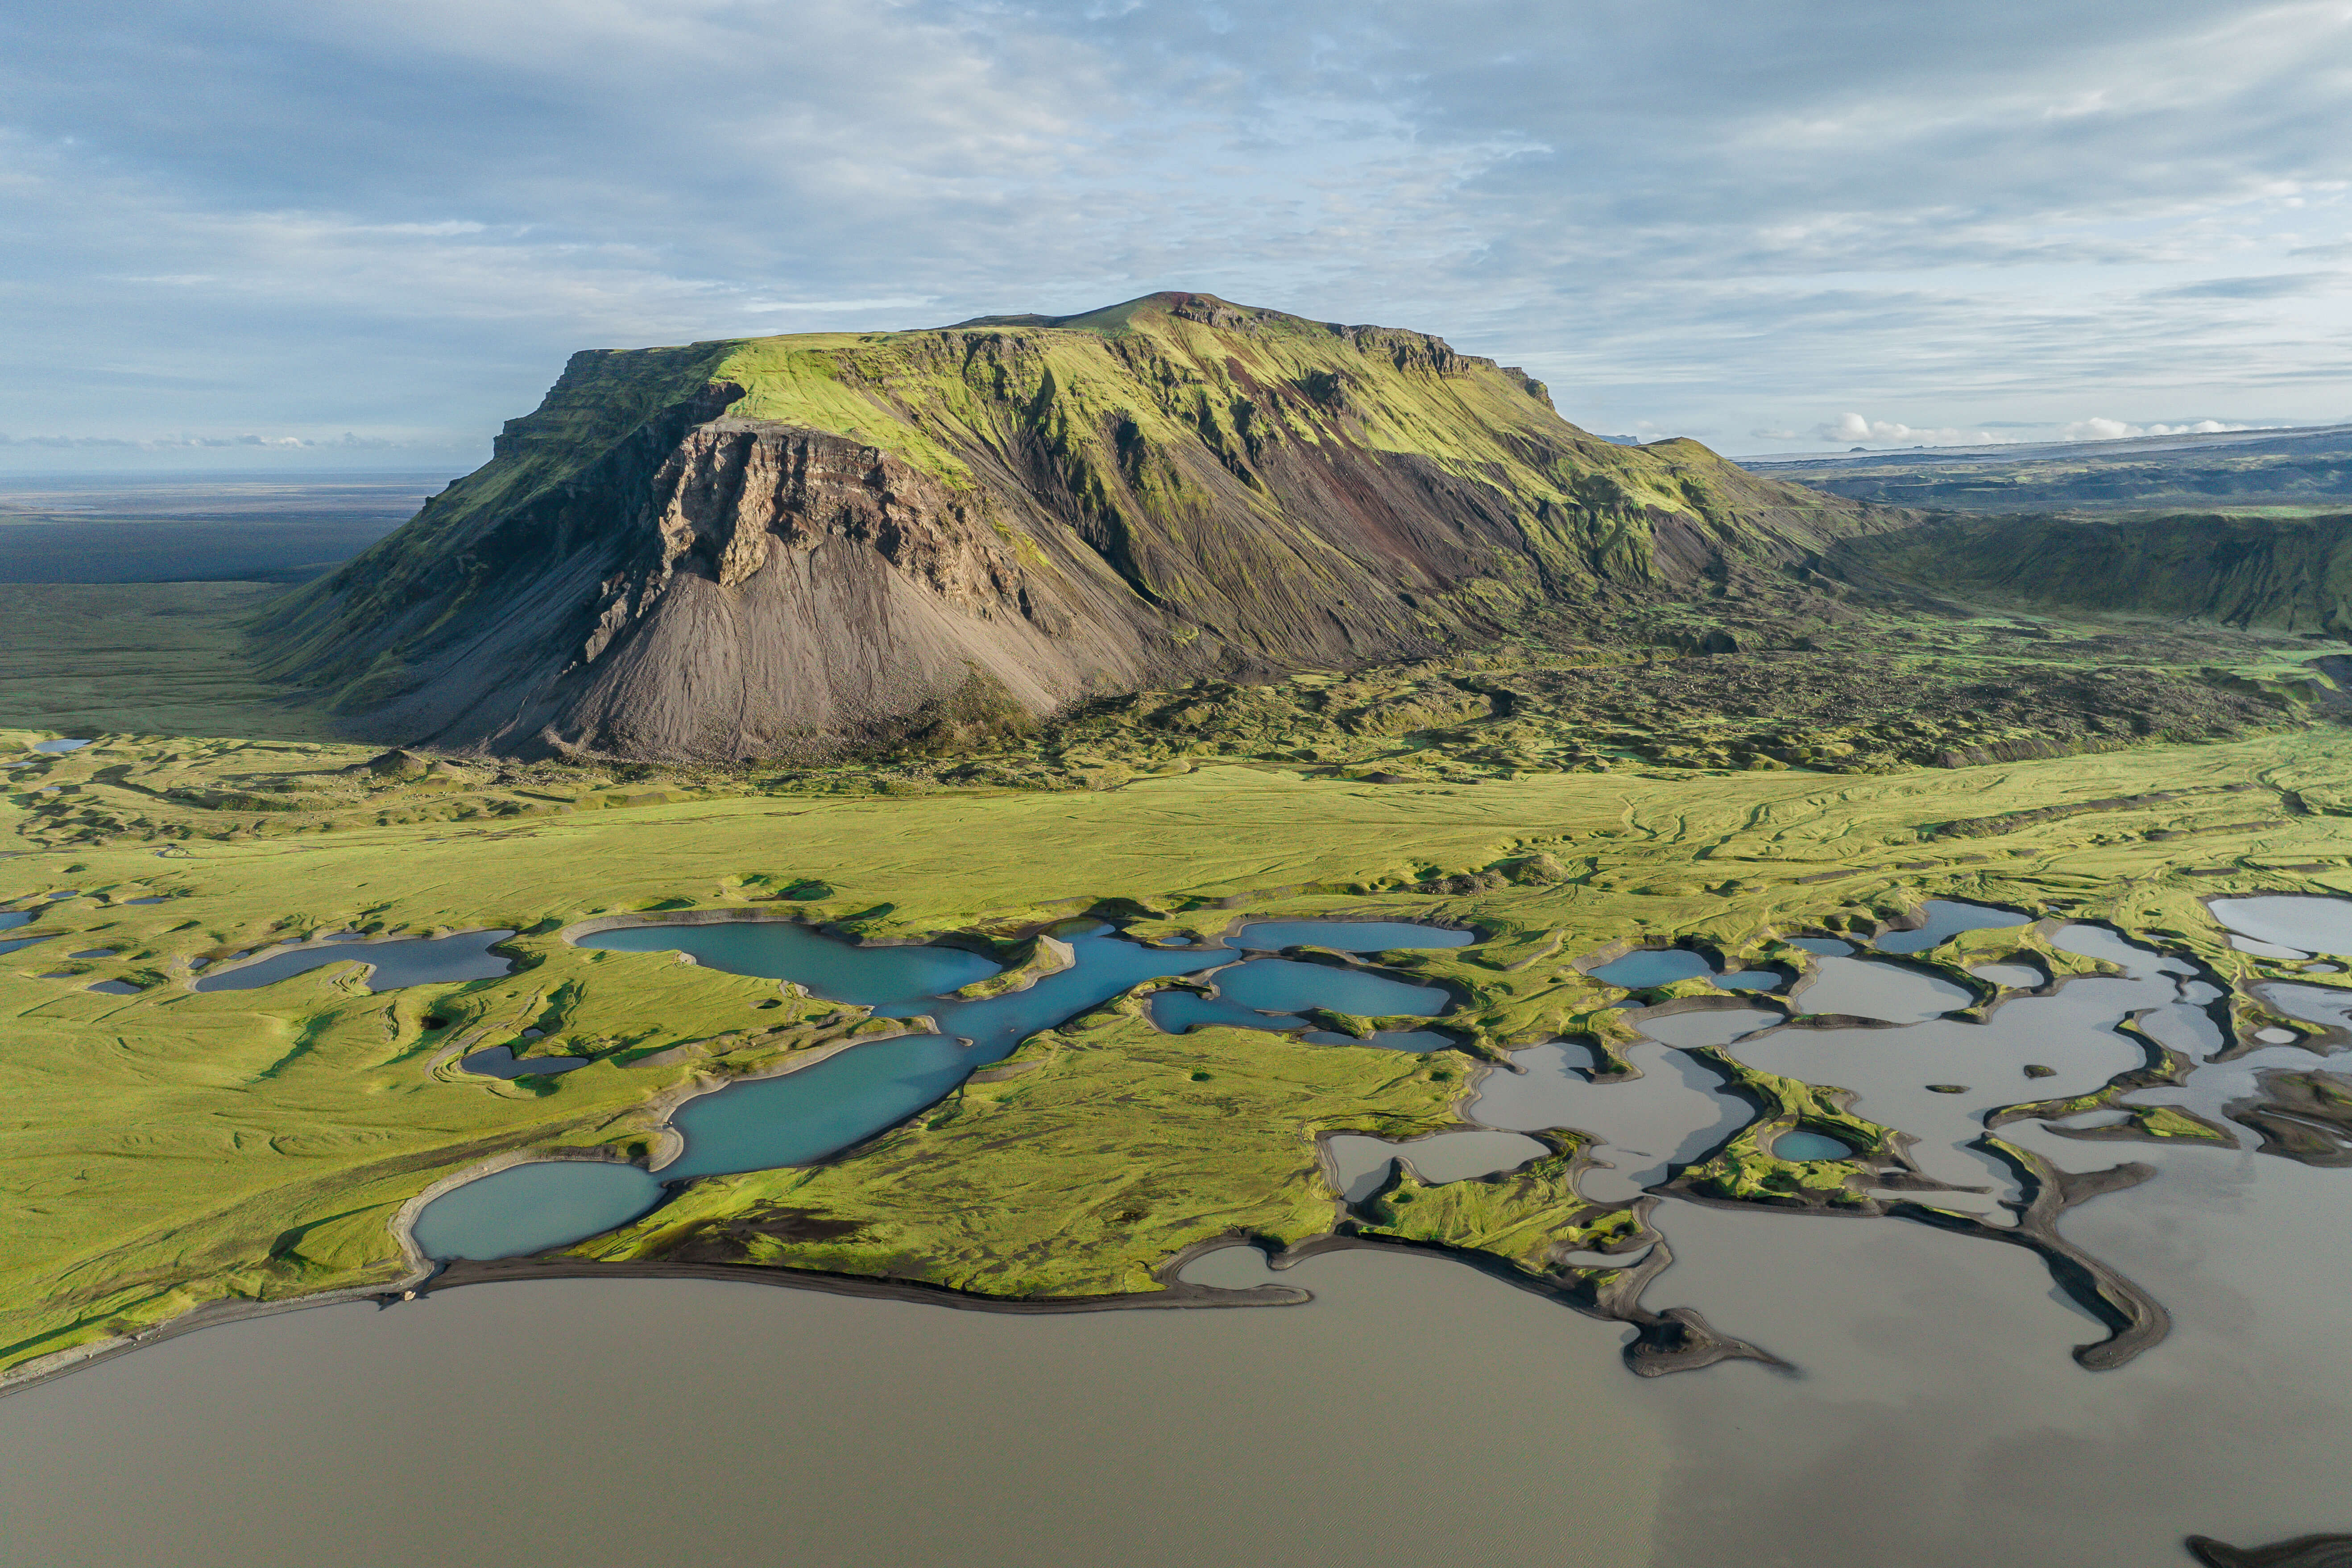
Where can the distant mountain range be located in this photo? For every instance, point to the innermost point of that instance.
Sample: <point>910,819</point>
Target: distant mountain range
<point>2305,466</point>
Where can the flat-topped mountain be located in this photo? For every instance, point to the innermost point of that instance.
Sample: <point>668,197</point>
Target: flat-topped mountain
<point>783,545</point>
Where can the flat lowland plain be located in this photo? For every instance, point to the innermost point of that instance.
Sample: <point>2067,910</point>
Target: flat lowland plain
<point>170,657</point>
<point>171,1148</point>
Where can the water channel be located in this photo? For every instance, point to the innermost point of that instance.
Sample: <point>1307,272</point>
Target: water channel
<point>1937,1409</point>
<point>828,1105</point>
<point>1937,1406</point>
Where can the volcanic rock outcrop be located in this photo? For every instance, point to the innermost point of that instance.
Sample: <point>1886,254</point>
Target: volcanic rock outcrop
<point>784,546</point>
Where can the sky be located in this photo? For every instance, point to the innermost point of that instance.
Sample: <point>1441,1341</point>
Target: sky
<point>246,232</point>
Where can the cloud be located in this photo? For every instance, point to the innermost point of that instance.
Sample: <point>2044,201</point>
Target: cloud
<point>768,307</point>
<point>2101,429</point>
<point>2269,285</point>
<point>1688,215</point>
<point>1853,428</point>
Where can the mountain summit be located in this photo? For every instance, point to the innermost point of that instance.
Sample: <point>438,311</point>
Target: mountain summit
<point>778,546</point>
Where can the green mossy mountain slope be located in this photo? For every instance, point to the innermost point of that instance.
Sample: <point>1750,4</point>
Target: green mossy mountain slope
<point>780,546</point>
<point>2290,574</point>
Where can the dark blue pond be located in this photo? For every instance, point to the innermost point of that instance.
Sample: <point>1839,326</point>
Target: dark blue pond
<point>1947,918</point>
<point>413,960</point>
<point>1822,946</point>
<point>499,1061</point>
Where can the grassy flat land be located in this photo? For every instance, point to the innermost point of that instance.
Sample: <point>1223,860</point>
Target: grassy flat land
<point>152,658</point>
<point>175,1147</point>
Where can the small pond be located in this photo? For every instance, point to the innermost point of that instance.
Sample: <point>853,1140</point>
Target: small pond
<point>1672,1114</point>
<point>529,1208</point>
<point>1176,1011</point>
<point>2288,926</point>
<point>407,961</point>
<point>1822,946</point>
<point>1283,986</point>
<point>1361,1163</point>
<point>1802,1145</point>
<point>1641,970</point>
<point>1947,918</point>
<point>24,942</point>
<point>2330,1006</point>
<point>55,747</point>
<point>1862,988</point>
<point>2072,1032</point>
<point>499,1061</point>
<point>2113,947</point>
<point>1646,968</point>
<point>817,1109</point>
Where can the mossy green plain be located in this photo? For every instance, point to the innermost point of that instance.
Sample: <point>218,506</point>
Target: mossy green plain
<point>175,1147</point>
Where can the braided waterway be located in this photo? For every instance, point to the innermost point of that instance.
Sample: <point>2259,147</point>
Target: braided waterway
<point>1936,1410</point>
<point>1936,1419</point>
<point>829,1105</point>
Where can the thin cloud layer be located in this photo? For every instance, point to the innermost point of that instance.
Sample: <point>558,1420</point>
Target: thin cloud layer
<point>1735,222</point>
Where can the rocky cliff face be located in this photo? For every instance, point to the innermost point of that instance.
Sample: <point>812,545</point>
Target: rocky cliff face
<point>782,546</point>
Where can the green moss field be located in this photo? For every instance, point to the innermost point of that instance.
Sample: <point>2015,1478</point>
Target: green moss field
<point>171,1148</point>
